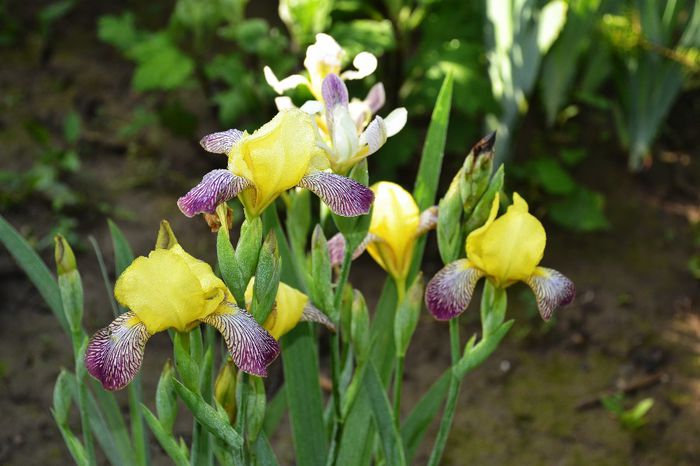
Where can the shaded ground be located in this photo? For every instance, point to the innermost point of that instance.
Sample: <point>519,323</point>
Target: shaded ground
<point>636,315</point>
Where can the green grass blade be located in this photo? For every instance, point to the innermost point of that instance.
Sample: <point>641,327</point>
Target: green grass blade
<point>108,426</point>
<point>428,177</point>
<point>434,148</point>
<point>384,418</point>
<point>171,447</point>
<point>36,270</point>
<point>109,287</point>
<point>264,455</point>
<point>209,417</point>
<point>274,412</point>
<point>123,255</point>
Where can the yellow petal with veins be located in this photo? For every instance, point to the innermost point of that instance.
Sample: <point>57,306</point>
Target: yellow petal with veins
<point>394,223</point>
<point>508,248</point>
<point>286,312</point>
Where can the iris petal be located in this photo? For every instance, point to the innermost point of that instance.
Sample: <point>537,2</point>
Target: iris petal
<point>337,244</point>
<point>449,292</point>
<point>374,136</point>
<point>114,353</point>
<point>395,121</point>
<point>221,142</point>
<point>216,187</point>
<point>365,63</point>
<point>344,196</point>
<point>376,97</point>
<point>552,290</point>
<point>313,314</point>
<point>290,82</point>
<point>252,348</point>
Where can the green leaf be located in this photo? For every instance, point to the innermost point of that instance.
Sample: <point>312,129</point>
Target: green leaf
<point>108,426</point>
<point>123,255</point>
<point>365,35</point>
<point>301,370</point>
<point>119,31</point>
<point>264,455</point>
<point>161,65</point>
<point>71,127</point>
<point>583,210</point>
<point>166,400</point>
<point>434,148</point>
<point>549,174</point>
<point>274,413</point>
<point>165,438</point>
<point>209,417</point>
<point>321,274</point>
<point>384,418</point>
<point>407,316</point>
<point>63,393</point>
<point>75,447</point>
<point>305,18</point>
<point>423,414</point>
<point>36,270</point>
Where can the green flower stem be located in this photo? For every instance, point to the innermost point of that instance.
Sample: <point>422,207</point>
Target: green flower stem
<point>451,403</point>
<point>399,366</point>
<point>335,356</point>
<point>79,349</point>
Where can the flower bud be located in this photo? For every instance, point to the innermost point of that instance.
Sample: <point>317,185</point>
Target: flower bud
<point>359,327</point>
<point>481,211</point>
<point>477,172</point>
<point>225,388</point>
<point>65,259</point>
<point>267,278</point>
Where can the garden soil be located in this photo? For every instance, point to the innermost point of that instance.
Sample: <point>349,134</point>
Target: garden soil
<point>633,328</point>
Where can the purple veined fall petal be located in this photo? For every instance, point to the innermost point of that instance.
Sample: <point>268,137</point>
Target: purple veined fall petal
<point>552,290</point>
<point>114,353</point>
<point>344,196</point>
<point>374,136</point>
<point>428,220</point>
<point>336,248</point>
<point>312,314</point>
<point>252,348</point>
<point>216,187</point>
<point>221,142</point>
<point>449,292</point>
<point>376,97</point>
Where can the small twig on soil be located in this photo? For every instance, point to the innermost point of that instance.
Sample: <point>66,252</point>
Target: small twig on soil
<point>625,388</point>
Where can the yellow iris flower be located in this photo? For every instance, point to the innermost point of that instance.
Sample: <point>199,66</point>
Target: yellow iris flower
<point>393,228</point>
<point>506,250</point>
<point>291,306</point>
<point>283,154</point>
<point>172,289</point>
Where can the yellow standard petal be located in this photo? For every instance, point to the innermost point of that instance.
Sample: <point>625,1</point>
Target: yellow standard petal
<point>394,224</point>
<point>275,158</point>
<point>508,248</point>
<point>170,289</point>
<point>286,312</point>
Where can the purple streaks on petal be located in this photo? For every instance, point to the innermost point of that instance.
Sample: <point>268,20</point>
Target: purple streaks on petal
<point>221,142</point>
<point>336,248</point>
<point>345,197</point>
<point>114,353</point>
<point>334,92</point>
<point>216,187</point>
<point>449,292</point>
<point>252,348</point>
<point>552,290</point>
<point>375,98</point>
<point>313,314</point>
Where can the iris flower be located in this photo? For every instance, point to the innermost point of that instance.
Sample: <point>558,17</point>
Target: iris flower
<point>505,250</point>
<point>349,135</point>
<point>172,289</point>
<point>291,307</point>
<point>282,154</point>
<point>323,57</point>
<point>395,226</point>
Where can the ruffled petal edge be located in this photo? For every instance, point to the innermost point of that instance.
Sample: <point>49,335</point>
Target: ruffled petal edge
<point>114,353</point>
<point>450,291</point>
<point>552,290</point>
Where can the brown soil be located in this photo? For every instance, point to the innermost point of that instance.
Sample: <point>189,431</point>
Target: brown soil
<point>636,317</point>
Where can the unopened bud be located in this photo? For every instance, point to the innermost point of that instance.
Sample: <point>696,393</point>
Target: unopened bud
<point>65,259</point>
<point>225,388</point>
<point>476,179</point>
